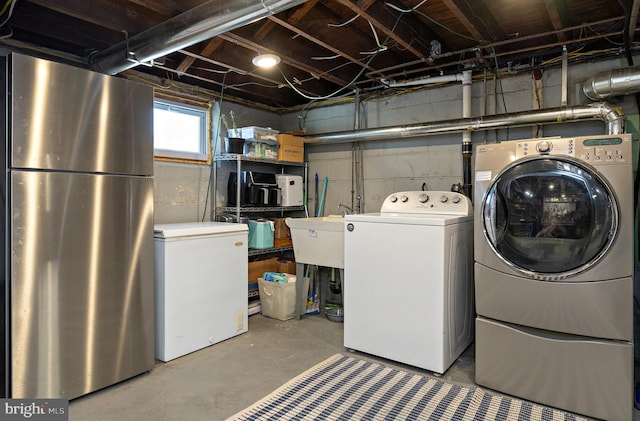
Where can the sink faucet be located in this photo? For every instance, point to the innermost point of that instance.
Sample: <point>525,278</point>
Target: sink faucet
<point>347,210</point>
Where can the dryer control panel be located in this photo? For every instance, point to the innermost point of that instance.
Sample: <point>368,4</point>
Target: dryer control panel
<point>432,202</point>
<point>593,149</point>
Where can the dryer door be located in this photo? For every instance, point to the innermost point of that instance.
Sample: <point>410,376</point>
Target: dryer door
<point>549,217</point>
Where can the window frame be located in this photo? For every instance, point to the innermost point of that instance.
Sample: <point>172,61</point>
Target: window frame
<point>201,110</point>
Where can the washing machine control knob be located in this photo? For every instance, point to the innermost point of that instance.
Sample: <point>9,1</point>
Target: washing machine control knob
<point>423,198</point>
<point>404,199</point>
<point>456,199</point>
<point>443,199</point>
<point>544,146</point>
<point>393,199</point>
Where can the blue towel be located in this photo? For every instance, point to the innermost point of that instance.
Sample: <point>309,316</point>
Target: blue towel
<point>276,277</point>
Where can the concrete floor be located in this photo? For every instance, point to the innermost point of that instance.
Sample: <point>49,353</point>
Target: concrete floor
<point>218,381</point>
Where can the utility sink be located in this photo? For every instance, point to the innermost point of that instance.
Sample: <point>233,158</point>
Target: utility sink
<point>318,241</point>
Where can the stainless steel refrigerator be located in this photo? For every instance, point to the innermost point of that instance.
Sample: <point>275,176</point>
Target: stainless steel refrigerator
<point>77,201</point>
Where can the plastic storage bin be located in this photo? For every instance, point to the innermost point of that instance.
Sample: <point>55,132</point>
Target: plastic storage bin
<point>278,301</point>
<point>267,149</point>
<point>254,132</point>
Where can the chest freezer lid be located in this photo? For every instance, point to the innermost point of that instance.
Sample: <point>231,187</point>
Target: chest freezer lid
<point>191,229</point>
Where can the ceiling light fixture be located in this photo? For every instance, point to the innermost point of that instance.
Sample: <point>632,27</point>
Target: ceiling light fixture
<point>266,60</point>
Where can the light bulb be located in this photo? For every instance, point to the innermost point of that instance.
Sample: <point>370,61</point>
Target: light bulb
<point>266,60</point>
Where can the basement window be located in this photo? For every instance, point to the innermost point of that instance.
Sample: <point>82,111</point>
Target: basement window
<point>180,131</point>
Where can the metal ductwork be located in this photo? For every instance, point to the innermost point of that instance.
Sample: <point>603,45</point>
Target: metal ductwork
<point>613,120</point>
<point>196,25</point>
<point>612,83</point>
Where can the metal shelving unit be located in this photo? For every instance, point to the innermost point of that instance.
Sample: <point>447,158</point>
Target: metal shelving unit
<point>256,252</point>
<point>226,163</point>
<point>256,209</point>
<point>222,167</point>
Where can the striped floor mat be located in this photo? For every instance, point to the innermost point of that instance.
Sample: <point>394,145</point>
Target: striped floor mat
<point>345,388</point>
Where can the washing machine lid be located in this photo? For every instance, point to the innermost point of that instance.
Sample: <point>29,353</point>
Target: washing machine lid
<point>549,217</point>
<point>189,229</point>
<point>421,208</point>
<point>408,218</point>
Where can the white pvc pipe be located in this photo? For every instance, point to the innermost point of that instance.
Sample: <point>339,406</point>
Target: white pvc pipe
<point>565,70</point>
<point>427,80</point>
<point>467,149</point>
<point>466,102</point>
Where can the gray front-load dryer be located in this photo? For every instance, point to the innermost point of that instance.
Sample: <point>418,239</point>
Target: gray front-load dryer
<point>553,239</point>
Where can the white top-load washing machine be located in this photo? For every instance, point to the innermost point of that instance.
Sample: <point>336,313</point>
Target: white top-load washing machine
<point>408,287</point>
<point>553,272</point>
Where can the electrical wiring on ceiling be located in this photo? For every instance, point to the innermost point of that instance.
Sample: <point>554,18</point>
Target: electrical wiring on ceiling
<point>222,72</point>
<point>380,46</point>
<point>340,25</point>
<point>373,55</point>
<point>326,58</point>
<point>10,4</point>
<point>414,8</point>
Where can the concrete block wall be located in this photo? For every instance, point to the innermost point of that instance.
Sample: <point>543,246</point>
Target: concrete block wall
<point>405,164</point>
<point>391,165</point>
<point>180,192</point>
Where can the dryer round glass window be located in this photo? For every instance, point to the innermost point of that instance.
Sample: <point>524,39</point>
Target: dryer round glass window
<point>549,217</point>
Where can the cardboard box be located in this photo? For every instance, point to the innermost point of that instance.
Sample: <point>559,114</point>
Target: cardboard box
<point>282,242</point>
<point>291,148</point>
<point>258,268</point>
<point>287,266</point>
<point>281,230</point>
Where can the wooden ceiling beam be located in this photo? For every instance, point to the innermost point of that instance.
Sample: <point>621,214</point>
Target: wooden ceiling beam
<point>214,82</point>
<point>117,16</point>
<point>167,8</point>
<point>231,68</point>
<point>318,42</point>
<point>479,21</point>
<point>378,25</point>
<point>295,17</point>
<point>250,45</point>
<point>211,46</point>
<point>227,66</point>
<point>558,13</point>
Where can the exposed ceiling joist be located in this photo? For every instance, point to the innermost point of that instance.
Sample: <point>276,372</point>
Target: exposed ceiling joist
<point>327,46</point>
<point>477,19</point>
<point>557,10</point>
<point>386,30</point>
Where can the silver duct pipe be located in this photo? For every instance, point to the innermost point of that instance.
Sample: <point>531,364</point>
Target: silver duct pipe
<point>196,25</point>
<point>614,123</point>
<point>612,83</point>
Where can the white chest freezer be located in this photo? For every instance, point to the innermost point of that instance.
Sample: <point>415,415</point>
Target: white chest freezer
<point>201,285</point>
